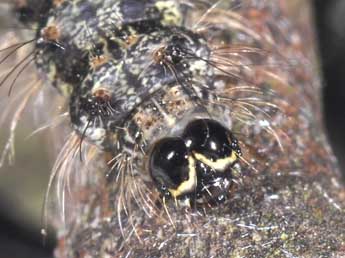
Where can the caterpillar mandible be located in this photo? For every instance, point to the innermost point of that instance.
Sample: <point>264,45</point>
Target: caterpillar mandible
<point>192,130</point>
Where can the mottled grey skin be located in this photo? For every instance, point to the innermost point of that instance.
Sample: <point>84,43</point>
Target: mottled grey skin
<point>287,200</point>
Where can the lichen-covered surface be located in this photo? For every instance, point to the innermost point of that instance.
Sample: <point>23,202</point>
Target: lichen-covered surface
<point>257,61</point>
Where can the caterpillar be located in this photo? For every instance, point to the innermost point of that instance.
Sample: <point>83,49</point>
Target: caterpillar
<point>192,129</point>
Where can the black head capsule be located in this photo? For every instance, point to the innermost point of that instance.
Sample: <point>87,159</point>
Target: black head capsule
<point>198,164</point>
<point>172,169</point>
<point>211,143</point>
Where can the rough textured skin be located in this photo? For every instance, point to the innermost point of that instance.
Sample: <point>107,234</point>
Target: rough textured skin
<point>257,62</point>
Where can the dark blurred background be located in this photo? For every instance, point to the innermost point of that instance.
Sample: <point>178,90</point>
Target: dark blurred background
<point>330,27</point>
<point>18,239</point>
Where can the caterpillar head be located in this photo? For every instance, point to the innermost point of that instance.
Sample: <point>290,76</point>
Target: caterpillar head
<point>197,165</point>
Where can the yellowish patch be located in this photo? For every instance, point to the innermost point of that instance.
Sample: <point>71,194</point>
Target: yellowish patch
<point>219,164</point>
<point>172,15</point>
<point>189,184</point>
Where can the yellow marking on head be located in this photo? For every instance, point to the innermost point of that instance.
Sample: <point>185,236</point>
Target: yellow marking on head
<point>219,164</point>
<point>188,185</point>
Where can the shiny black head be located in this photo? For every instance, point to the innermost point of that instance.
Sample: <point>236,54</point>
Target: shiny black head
<point>197,164</point>
<point>170,166</point>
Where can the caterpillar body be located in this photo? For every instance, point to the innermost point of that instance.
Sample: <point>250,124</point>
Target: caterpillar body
<point>191,129</point>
